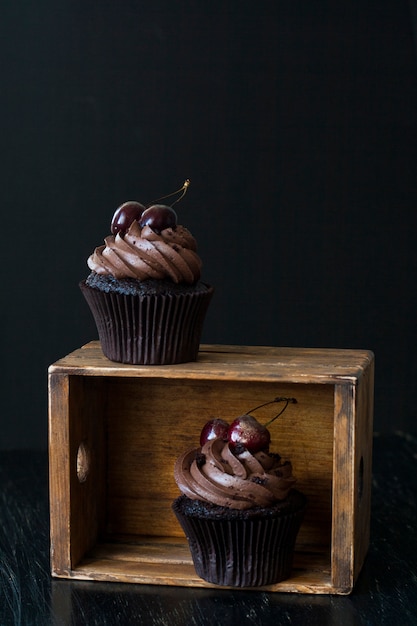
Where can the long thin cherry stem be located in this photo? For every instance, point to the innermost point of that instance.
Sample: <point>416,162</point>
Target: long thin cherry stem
<point>279,399</point>
<point>287,402</point>
<point>182,189</point>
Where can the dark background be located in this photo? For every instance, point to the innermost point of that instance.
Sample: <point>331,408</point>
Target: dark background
<point>294,120</point>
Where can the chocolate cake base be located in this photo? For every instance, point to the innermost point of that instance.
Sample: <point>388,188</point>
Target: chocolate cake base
<point>135,287</point>
<point>236,548</point>
<point>139,325</point>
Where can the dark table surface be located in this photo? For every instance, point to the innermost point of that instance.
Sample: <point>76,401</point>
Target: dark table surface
<point>386,592</point>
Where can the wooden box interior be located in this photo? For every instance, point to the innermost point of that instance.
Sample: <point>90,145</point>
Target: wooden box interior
<point>116,431</point>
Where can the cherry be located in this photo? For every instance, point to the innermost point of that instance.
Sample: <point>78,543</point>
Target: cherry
<point>158,217</point>
<point>125,215</point>
<point>214,429</point>
<point>246,431</point>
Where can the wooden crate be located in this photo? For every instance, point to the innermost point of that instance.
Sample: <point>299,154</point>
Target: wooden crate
<point>115,431</point>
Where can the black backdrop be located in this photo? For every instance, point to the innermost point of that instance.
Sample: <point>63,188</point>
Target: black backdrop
<point>294,120</point>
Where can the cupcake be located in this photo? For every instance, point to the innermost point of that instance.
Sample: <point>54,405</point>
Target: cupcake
<point>144,288</point>
<point>238,506</point>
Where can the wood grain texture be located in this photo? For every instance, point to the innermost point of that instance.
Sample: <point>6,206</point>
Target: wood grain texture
<point>59,473</point>
<point>126,426</point>
<point>299,365</point>
<point>342,496</point>
<point>362,470</point>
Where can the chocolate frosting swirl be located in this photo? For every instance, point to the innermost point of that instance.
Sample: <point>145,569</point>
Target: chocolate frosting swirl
<point>215,474</point>
<point>143,253</point>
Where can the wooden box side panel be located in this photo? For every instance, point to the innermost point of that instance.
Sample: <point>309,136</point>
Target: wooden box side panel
<point>363,467</point>
<point>150,422</point>
<point>76,468</point>
<point>88,463</point>
<point>59,483</point>
<point>352,479</point>
<point>343,488</point>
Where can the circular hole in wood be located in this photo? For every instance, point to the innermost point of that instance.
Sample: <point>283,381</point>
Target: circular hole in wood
<point>83,462</point>
<point>360,479</point>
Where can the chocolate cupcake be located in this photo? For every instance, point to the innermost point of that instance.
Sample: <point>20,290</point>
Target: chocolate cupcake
<point>238,506</point>
<point>144,289</point>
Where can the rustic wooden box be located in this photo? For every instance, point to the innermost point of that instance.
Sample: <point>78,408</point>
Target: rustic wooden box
<point>116,430</point>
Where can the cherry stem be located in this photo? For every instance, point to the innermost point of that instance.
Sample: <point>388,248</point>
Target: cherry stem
<point>279,399</point>
<point>182,189</point>
<point>287,402</point>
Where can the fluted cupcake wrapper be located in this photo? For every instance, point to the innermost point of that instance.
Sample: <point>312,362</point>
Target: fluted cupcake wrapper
<point>242,552</point>
<point>148,330</point>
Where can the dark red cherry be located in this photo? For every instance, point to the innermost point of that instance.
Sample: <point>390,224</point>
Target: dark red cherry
<point>125,215</point>
<point>214,429</point>
<point>248,432</point>
<point>158,217</point>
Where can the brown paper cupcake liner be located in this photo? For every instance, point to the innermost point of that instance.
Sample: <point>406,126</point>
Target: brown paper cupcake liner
<point>148,330</point>
<point>242,552</point>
